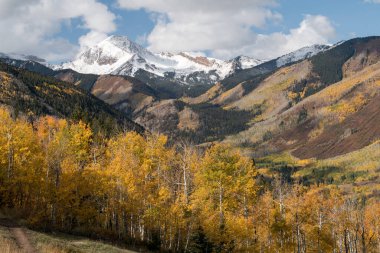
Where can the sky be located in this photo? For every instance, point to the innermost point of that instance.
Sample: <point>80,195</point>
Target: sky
<point>57,30</point>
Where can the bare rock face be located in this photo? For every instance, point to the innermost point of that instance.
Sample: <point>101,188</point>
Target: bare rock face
<point>97,55</point>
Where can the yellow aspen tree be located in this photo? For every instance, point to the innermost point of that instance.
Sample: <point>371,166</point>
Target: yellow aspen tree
<point>224,187</point>
<point>20,162</point>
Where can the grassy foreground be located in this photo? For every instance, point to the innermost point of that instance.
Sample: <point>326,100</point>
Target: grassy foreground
<point>55,243</point>
<point>7,243</point>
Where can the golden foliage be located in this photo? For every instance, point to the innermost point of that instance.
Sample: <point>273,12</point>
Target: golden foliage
<point>139,189</point>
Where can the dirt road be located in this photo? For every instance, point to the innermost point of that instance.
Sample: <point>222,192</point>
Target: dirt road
<point>19,235</point>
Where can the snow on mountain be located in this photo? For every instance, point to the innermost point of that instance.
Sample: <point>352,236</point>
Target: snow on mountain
<point>120,56</point>
<point>12,58</point>
<point>300,54</point>
<point>244,62</point>
<point>23,57</point>
<point>105,57</point>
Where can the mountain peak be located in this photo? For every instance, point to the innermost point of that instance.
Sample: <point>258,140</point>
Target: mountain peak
<point>244,62</point>
<point>119,55</point>
<point>107,56</point>
<point>122,43</point>
<point>117,37</point>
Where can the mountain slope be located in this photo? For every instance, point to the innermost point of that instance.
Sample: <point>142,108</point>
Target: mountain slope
<point>28,64</point>
<point>321,107</point>
<point>242,82</point>
<point>124,93</point>
<point>33,94</point>
<point>269,66</point>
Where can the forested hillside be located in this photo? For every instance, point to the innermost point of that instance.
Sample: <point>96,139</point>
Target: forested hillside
<point>59,176</point>
<point>33,94</point>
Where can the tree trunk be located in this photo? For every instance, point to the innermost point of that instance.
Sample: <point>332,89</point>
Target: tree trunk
<point>221,213</point>
<point>10,156</point>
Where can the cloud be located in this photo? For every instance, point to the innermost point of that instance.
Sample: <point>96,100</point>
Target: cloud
<point>312,30</point>
<point>31,26</point>
<point>197,25</point>
<point>221,28</point>
<point>372,1</point>
<point>226,28</point>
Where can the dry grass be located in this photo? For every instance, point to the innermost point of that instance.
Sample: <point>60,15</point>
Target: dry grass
<point>363,164</point>
<point>51,249</point>
<point>366,159</point>
<point>230,96</point>
<point>8,246</point>
<point>63,243</point>
<point>357,171</point>
<point>188,119</point>
<point>272,96</point>
<point>54,243</point>
<point>272,91</point>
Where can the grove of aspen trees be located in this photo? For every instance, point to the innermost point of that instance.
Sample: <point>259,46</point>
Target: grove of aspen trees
<point>139,190</point>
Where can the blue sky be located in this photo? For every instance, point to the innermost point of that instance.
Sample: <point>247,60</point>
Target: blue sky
<point>131,23</point>
<point>350,17</point>
<point>58,29</point>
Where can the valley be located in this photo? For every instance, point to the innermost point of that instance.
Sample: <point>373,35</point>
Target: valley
<point>148,144</point>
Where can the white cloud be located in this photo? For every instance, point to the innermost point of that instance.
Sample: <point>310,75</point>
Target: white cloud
<point>222,28</point>
<point>197,25</point>
<point>372,1</point>
<point>226,28</point>
<point>30,26</point>
<point>92,38</point>
<point>312,30</point>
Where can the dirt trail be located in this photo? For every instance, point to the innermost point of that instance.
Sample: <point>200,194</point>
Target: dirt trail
<point>19,235</point>
<point>22,240</point>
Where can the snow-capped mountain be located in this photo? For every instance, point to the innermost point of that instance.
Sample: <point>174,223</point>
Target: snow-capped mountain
<point>300,54</point>
<point>120,56</point>
<point>21,60</point>
<point>23,57</point>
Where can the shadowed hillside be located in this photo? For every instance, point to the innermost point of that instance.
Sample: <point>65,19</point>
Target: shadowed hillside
<point>33,94</point>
